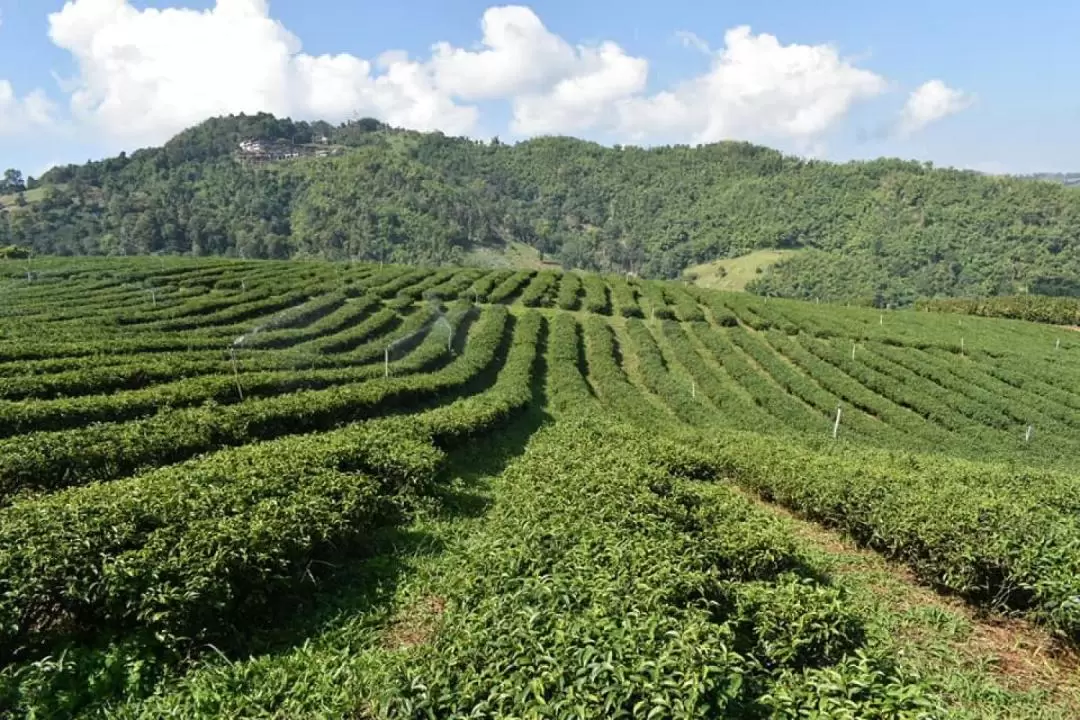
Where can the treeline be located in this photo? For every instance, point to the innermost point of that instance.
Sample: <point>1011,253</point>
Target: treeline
<point>1034,308</point>
<point>883,232</point>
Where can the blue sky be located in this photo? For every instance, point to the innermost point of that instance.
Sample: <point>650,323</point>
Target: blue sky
<point>989,85</point>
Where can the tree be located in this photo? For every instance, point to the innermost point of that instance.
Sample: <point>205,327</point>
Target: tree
<point>12,181</point>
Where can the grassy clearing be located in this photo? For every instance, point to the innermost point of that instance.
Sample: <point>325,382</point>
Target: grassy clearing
<point>733,274</point>
<point>514,256</point>
<point>31,196</point>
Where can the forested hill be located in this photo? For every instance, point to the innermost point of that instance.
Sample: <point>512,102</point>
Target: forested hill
<point>885,231</point>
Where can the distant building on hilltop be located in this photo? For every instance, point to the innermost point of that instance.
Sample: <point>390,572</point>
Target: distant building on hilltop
<point>262,151</point>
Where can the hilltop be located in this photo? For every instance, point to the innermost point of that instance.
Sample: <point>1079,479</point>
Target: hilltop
<point>882,232</point>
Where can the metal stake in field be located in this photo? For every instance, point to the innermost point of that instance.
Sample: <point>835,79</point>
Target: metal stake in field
<point>881,319</point>
<point>693,389</point>
<point>236,373</point>
<point>852,351</point>
<point>1057,345</point>
<point>153,296</point>
<point>836,425</point>
<point>386,362</point>
<point>1027,435</point>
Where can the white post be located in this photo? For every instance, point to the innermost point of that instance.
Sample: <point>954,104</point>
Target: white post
<point>693,389</point>
<point>1057,346</point>
<point>1027,436</point>
<point>386,362</point>
<point>836,425</point>
<point>852,351</point>
<point>962,346</point>
<point>881,319</point>
<point>243,284</point>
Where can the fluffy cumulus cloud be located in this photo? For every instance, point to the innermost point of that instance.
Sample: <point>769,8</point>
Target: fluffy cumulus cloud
<point>930,102</point>
<point>756,88</point>
<point>553,87</point>
<point>143,74</point>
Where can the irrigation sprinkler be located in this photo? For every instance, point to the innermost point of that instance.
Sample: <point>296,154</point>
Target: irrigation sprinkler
<point>881,319</point>
<point>243,284</point>
<point>693,389</point>
<point>852,351</point>
<point>836,425</point>
<point>1057,345</point>
<point>153,295</point>
<point>449,332</point>
<point>386,362</point>
<point>236,370</point>
<point>1027,435</point>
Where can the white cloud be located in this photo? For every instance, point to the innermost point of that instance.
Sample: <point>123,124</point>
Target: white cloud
<point>553,87</point>
<point>692,41</point>
<point>757,88</point>
<point>18,114</point>
<point>586,97</point>
<point>520,55</point>
<point>142,75</point>
<point>145,74</point>
<point>930,102</point>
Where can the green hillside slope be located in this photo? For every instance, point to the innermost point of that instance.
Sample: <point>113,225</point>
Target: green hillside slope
<point>883,232</point>
<point>308,489</point>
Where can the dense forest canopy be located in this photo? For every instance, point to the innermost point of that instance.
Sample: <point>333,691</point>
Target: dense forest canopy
<point>883,232</point>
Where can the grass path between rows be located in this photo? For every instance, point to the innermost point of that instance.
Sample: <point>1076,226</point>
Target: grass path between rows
<point>988,666</point>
